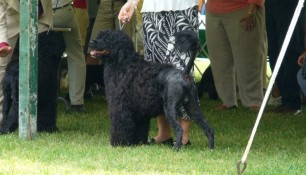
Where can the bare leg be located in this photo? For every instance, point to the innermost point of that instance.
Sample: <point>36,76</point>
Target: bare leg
<point>164,129</point>
<point>185,125</point>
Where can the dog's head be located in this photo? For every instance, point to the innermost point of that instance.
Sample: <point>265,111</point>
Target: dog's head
<point>114,43</point>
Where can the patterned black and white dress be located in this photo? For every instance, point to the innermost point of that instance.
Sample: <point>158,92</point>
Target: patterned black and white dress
<point>159,28</point>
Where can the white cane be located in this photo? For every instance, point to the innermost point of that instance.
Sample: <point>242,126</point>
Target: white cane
<point>241,165</point>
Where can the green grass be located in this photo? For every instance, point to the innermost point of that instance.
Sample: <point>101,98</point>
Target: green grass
<point>82,146</point>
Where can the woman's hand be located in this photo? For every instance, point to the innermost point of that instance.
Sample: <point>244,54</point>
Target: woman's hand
<point>249,21</point>
<point>127,11</point>
<point>5,50</point>
<point>249,18</point>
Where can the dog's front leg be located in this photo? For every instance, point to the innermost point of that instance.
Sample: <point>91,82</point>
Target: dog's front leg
<point>141,131</point>
<point>193,110</point>
<point>122,128</point>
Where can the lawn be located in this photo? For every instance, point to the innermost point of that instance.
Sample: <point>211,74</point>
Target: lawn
<point>82,146</point>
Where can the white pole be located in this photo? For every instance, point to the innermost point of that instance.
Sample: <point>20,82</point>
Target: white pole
<point>272,80</point>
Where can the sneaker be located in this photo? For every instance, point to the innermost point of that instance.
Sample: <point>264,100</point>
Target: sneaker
<point>77,109</point>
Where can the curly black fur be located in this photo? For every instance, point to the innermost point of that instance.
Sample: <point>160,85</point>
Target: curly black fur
<point>137,90</point>
<point>207,84</point>
<point>51,46</point>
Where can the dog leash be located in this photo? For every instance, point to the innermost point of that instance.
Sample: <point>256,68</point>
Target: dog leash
<point>121,25</point>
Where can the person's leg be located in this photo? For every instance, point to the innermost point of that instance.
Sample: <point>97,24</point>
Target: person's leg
<point>83,21</point>
<point>185,125</point>
<point>3,63</point>
<point>248,54</point>
<point>221,59</point>
<point>273,42</point>
<point>288,85</point>
<point>301,81</point>
<point>76,60</point>
<point>164,129</point>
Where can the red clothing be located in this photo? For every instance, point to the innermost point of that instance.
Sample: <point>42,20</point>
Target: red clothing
<point>227,6</point>
<point>80,4</point>
<point>3,44</point>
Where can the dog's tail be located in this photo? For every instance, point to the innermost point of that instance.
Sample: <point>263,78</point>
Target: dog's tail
<point>188,41</point>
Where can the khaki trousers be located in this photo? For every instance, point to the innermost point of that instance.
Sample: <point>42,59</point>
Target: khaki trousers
<point>65,18</point>
<point>236,52</point>
<point>83,20</point>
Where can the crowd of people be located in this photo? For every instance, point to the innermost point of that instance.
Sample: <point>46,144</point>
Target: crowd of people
<point>239,34</point>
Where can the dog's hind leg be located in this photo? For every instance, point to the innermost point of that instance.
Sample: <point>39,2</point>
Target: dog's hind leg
<point>193,110</point>
<point>172,100</point>
<point>171,116</point>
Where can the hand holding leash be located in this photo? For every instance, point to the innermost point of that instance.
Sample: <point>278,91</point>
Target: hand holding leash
<point>127,11</point>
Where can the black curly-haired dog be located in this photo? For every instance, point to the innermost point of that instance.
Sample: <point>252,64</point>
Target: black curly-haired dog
<point>138,90</point>
<point>51,46</point>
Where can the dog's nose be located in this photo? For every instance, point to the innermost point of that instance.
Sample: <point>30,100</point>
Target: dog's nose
<point>92,43</point>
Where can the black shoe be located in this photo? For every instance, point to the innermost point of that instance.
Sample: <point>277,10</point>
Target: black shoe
<point>77,109</point>
<point>165,142</point>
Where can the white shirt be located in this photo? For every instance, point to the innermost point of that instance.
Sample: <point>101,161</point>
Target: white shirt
<point>167,5</point>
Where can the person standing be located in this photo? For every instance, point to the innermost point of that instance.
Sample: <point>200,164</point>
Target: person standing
<point>278,17</point>
<point>161,20</point>
<point>235,35</point>
<point>9,32</point>
<point>64,17</point>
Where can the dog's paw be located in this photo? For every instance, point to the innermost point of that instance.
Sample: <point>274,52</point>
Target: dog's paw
<point>3,131</point>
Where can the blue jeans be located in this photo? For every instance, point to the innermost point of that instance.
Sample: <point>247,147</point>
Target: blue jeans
<point>301,81</point>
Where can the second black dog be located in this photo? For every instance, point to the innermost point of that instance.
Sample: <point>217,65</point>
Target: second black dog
<point>137,90</point>
<point>207,84</point>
